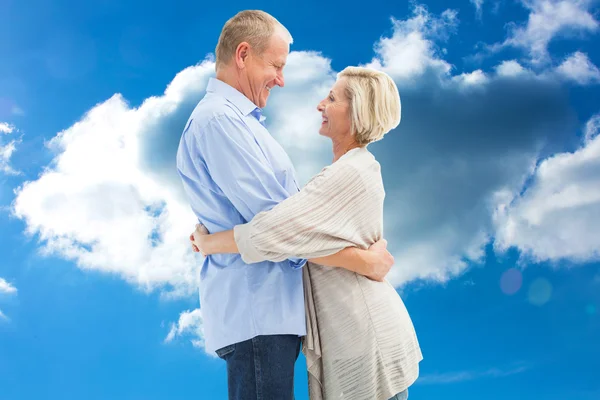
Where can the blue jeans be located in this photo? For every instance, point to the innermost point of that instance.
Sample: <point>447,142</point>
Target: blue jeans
<point>401,396</point>
<point>262,368</point>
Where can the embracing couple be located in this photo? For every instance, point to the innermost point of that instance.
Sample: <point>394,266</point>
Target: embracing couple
<point>289,268</point>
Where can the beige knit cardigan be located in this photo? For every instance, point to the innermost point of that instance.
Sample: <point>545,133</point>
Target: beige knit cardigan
<point>360,342</point>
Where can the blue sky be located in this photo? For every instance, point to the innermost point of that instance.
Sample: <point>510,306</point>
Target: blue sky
<point>492,177</point>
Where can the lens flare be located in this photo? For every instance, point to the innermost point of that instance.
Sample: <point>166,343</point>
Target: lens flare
<point>540,292</point>
<point>511,281</point>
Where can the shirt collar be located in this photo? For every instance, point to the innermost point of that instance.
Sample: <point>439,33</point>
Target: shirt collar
<point>232,95</point>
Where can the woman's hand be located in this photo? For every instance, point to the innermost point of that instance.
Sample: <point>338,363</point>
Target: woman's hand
<point>197,239</point>
<point>382,261</point>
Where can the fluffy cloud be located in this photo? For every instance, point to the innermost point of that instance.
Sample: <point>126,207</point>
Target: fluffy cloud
<point>557,215</point>
<point>6,128</point>
<point>547,20</point>
<point>476,77</point>
<point>510,68</point>
<point>6,152</point>
<point>6,287</point>
<point>111,201</point>
<point>579,68</point>
<point>189,324</point>
<point>7,149</point>
<point>411,51</point>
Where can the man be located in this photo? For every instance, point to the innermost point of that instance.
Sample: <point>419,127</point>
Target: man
<point>231,170</point>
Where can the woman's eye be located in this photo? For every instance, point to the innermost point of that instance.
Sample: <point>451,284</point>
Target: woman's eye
<point>330,98</point>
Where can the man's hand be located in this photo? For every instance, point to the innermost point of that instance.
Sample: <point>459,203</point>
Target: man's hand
<point>382,261</point>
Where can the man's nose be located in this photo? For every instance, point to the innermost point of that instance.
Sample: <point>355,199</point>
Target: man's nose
<point>280,81</point>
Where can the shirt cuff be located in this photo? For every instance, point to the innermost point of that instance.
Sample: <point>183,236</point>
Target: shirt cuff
<point>297,263</point>
<point>248,252</point>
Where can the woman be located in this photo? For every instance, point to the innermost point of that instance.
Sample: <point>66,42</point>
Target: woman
<point>360,341</point>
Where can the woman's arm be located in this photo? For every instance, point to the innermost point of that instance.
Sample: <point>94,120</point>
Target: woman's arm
<point>322,222</point>
<point>374,263</point>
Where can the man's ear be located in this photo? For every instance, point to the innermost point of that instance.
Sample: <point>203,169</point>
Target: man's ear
<point>241,54</point>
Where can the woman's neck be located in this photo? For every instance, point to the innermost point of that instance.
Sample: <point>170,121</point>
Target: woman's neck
<point>341,148</point>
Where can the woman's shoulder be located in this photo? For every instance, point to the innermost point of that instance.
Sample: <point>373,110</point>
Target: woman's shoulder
<point>359,159</point>
<point>357,163</point>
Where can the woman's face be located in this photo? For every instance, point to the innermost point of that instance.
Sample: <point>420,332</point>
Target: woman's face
<point>335,110</point>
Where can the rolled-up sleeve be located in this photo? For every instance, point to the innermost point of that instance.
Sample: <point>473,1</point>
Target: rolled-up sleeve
<point>237,165</point>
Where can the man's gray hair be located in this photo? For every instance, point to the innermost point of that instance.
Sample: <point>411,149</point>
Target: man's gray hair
<point>252,26</point>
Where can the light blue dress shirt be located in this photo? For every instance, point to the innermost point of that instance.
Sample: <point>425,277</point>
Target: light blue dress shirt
<point>232,169</point>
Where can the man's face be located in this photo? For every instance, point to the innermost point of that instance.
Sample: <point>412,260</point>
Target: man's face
<point>263,72</point>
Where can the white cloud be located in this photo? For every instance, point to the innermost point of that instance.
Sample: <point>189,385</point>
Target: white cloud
<point>478,7</point>
<point>6,152</point>
<point>189,324</point>
<point>8,149</point>
<point>101,205</point>
<point>557,216</point>
<point>510,68</point>
<point>592,129</point>
<point>6,287</point>
<point>463,376</point>
<point>6,128</point>
<point>547,20</point>
<point>476,77</point>
<point>579,68</point>
<point>411,51</point>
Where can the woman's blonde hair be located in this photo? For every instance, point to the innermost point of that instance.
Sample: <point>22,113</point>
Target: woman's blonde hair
<point>374,103</point>
<point>253,26</point>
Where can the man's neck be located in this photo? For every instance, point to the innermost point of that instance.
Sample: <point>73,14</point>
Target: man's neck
<point>229,77</point>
